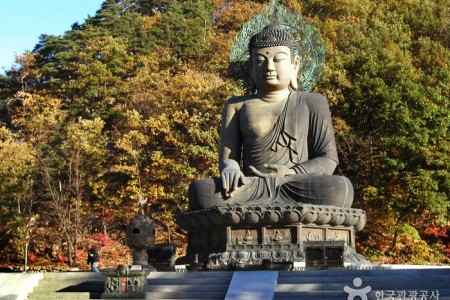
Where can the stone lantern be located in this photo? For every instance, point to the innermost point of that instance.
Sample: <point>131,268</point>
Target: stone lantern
<point>131,282</point>
<point>140,235</point>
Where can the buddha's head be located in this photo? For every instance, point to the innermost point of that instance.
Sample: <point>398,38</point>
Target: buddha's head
<point>273,59</point>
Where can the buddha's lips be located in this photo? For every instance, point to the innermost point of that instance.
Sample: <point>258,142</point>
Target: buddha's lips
<point>270,76</point>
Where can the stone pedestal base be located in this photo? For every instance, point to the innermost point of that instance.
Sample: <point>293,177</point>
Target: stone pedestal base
<point>250,237</point>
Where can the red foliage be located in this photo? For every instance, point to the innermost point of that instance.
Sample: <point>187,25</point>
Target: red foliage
<point>446,249</point>
<point>439,232</point>
<point>112,250</point>
<point>61,259</point>
<point>31,257</point>
<point>100,239</point>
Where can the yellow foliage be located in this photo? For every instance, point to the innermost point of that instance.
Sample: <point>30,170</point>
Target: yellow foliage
<point>38,116</point>
<point>151,21</point>
<point>17,156</point>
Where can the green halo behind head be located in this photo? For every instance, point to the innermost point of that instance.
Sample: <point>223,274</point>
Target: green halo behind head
<point>306,43</point>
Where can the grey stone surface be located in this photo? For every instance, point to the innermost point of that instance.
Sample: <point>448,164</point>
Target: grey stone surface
<point>125,282</point>
<point>68,285</point>
<point>17,285</point>
<point>188,285</point>
<point>385,283</point>
<point>309,284</point>
<point>242,237</point>
<point>247,285</point>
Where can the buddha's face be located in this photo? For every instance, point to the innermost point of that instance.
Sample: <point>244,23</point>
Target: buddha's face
<point>272,68</point>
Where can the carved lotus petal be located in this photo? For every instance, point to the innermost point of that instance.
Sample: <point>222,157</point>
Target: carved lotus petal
<point>337,219</point>
<point>298,255</point>
<point>292,216</point>
<point>252,217</point>
<point>232,218</point>
<point>359,225</point>
<point>243,255</point>
<point>309,217</point>
<point>286,255</point>
<point>260,255</point>
<point>276,256</point>
<point>324,218</point>
<point>272,216</point>
<point>224,256</point>
<point>361,222</point>
<point>351,220</point>
<point>234,256</point>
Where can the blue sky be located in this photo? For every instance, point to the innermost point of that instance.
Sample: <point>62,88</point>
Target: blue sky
<point>23,21</point>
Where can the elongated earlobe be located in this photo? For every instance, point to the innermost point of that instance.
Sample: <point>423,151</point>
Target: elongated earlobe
<point>251,87</point>
<point>294,82</point>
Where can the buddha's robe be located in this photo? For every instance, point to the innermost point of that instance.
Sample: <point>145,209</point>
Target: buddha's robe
<point>302,139</point>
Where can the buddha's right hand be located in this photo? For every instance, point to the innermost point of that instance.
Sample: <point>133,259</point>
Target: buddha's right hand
<point>231,177</point>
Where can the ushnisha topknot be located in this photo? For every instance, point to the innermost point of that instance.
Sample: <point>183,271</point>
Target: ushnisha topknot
<point>273,36</point>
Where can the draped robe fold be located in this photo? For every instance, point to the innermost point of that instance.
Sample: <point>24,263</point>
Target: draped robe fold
<point>302,139</point>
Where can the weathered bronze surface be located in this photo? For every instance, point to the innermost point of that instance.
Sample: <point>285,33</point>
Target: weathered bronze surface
<point>276,198</point>
<point>283,137</point>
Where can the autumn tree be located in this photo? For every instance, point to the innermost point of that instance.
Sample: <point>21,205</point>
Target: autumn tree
<point>17,200</point>
<point>391,105</point>
<point>127,105</point>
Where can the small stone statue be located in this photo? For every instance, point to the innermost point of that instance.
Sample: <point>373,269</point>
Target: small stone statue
<point>283,137</point>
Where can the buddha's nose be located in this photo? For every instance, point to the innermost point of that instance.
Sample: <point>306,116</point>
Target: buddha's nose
<point>270,65</point>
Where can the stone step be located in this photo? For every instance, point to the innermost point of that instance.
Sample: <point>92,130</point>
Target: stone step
<point>325,287</point>
<point>70,285</point>
<point>188,285</point>
<point>251,285</point>
<point>212,295</point>
<point>341,296</point>
<point>311,295</point>
<point>63,295</point>
<point>98,287</point>
<point>188,288</point>
<point>378,283</point>
<point>384,283</point>
<point>372,279</point>
<point>366,272</point>
<point>189,281</point>
<point>309,284</point>
<point>18,285</point>
<point>205,274</point>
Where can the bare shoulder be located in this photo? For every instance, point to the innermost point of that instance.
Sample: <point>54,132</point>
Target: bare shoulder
<point>239,101</point>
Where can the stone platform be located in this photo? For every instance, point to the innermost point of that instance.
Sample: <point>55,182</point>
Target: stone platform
<point>385,282</point>
<point>250,237</point>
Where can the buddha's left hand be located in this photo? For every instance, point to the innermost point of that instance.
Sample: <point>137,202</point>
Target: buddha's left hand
<point>280,171</point>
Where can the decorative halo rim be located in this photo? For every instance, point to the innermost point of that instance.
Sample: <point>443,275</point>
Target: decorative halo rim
<point>309,44</point>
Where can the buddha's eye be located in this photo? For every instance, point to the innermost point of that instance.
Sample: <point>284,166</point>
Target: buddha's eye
<point>260,59</point>
<point>281,57</point>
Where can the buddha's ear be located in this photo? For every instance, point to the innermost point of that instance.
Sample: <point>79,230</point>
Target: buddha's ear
<point>296,65</point>
<point>251,87</point>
